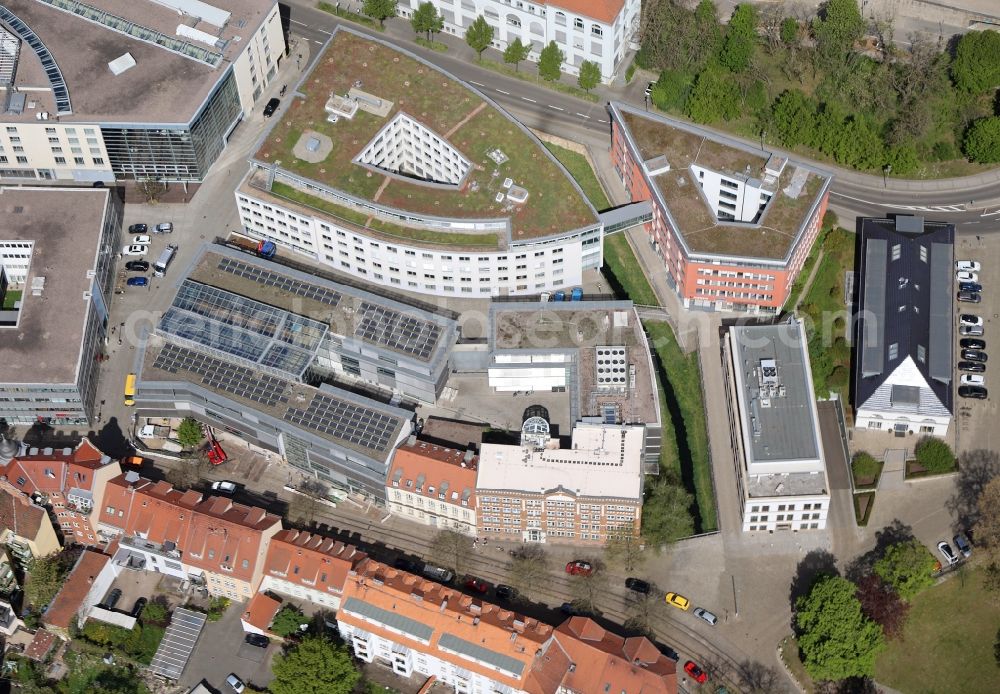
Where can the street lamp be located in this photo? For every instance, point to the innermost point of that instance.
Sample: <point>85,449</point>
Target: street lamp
<point>886,170</point>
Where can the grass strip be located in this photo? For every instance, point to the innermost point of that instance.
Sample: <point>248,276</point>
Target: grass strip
<point>432,45</point>
<point>350,16</point>
<point>528,77</point>
<point>581,170</point>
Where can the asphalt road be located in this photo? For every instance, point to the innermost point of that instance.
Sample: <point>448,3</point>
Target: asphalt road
<point>976,209</point>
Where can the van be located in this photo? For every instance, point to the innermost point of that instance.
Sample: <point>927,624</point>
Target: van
<point>160,266</point>
<point>438,574</point>
<point>130,390</point>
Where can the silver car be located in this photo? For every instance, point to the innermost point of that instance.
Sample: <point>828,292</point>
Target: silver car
<point>164,228</point>
<point>702,613</point>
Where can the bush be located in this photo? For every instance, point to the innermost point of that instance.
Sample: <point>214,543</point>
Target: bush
<point>139,642</point>
<point>216,608</point>
<point>934,455</point>
<point>287,621</point>
<point>982,141</point>
<point>670,93</point>
<point>864,467</point>
<point>908,567</point>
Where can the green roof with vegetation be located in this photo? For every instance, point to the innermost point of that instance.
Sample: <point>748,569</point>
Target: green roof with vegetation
<point>446,107</point>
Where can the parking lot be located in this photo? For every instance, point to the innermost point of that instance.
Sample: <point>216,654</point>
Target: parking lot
<point>221,650</point>
<point>974,419</point>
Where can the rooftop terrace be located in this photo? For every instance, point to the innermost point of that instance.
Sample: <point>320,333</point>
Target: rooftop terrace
<point>682,146</point>
<point>449,109</point>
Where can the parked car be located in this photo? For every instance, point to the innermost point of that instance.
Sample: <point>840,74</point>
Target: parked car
<point>113,598</point>
<point>476,584</point>
<point>138,607</point>
<point>962,542</point>
<point>966,277</point>
<point>972,380</point>
<point>138,229</point>
<point>974,355</point>
<point>972,366</point>
<point>142,240</point>
<point>224,487</point>
<point>947,552</point>
<point>436,573</point>
<point>696,673</point>
<point>164,228</point>
<point>678,601</point>
<point>258,640</point>
<point>579,568</point>
<point>407,565</point>
<point>974,392</point>
<point>968,265</point>
<point>135,249</point>
<point>505,592</point>
<point>570,609</point>
<point>638,585</point>
<point>670,653</point>
<point>271,106</point>
<point>137,281</point>
<point>236,683</point>
<point>970,286</point>
<point>969,319</point>
<point>972,343</point>
<point>971,330</point>
<point>702,613</point>
<point>970,297</point>
<point>137,265</point>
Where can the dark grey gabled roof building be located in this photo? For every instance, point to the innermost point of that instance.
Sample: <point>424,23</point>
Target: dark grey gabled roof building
<point>903,346</point>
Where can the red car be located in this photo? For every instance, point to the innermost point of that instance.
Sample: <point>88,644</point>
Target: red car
<point>579,568</point>
<point>476,585</point>
<point>697,674</point>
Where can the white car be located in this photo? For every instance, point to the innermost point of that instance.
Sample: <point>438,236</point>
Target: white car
<point>135,249</point>
<point>965,276</point>
<point>224,486</point>
<point>947,552</point>
<point>236,683</point>
<point>164,228</point>
<point>968,265</point>
<point>969,319</point>
<point>970,330</point>
<point>142,240</point>
<point>973,380</point>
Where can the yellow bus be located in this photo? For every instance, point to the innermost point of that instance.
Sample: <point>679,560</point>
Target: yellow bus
<point>130,390</point>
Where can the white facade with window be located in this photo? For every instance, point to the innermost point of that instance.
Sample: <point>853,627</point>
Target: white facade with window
<point>579,36</point>
<point>298,591</point>
<point>433,512</point>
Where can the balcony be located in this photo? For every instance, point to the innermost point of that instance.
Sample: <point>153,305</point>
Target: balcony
<point>168,550</point>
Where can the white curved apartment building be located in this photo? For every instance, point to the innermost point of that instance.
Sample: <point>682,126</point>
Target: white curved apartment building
<point>394,189</point>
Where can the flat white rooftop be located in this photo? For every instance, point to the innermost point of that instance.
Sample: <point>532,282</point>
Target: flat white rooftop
<point>604,461</point>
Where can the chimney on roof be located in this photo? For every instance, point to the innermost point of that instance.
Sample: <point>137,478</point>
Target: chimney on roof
<point>444,604</point>
<point>411,440</point>
<point>467,458</point>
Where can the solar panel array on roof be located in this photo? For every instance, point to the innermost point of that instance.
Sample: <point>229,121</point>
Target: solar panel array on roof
<point>283,282</point>
<point>346,421</point>
<point>397,331</point>
<point>286,358</point>
<point>234,341</point>
<point>215,373</point>
<point>228,308</point>
<point>178,643</point>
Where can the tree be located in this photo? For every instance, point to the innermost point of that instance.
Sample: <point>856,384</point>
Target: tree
<point>982,141</point>
<point>907,567</point>
<point>550,62</point>
<point>315,665</point>
<point>288,620</point>
<point>758,678</point>
<point>44,579</point>
<point>666,512</point>
<point>426,20</point>
<point>836,639</point>
<point>186,473</point>
<point>451,548</point>
<point>882,605</point>
<point>741,37</point>
<point>515,53</point>
<point>976,66</point>
<point>671,91</point>
<point>933,454</point>
<point>625,545</point>
<point>304,507</point>
<point>864,466</point>
<point>479,35</point>
<point>152,190</point>
<point>587,590</point>
<point>793,118</point>
<point>987,529</point>
<point>789,31</point>
<point>380,10</point>
<point>528,568</point>
<point>190,432</point>
<point>840,24</point>
<point>715,96</point>
<point>590,75</point>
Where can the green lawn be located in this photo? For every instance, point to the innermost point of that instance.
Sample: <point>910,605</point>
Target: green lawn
<point>347,14</point>
<point>621,264</point>
<point>827,315</point>
<point>581,170</point>
<point>683,378</point>
<point>11,297</point>
<point>947,643</point>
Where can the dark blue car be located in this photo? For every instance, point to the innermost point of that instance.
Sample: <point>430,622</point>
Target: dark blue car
<point>137,281</point>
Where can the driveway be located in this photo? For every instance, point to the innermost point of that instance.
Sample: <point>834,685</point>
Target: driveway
<point>220,651</point>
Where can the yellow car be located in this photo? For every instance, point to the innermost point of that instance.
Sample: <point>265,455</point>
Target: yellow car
<point>678,601</point>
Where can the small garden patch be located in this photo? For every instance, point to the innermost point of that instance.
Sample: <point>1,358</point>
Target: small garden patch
<point>866,471</point>
<point>863,507</point>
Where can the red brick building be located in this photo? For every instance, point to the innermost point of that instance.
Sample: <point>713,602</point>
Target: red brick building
<point>732,224</point>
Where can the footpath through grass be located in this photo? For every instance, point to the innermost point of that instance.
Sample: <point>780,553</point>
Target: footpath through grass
<point>579,168</point>
<point>947,643</point>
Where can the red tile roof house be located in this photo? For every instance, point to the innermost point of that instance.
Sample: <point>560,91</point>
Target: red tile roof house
<point>188,535</point>
<point>70,480</point>
<point>309,567</point>
<point>260,613</point>
<point>86,585</point>
<point>25,528</point>
<point>40,645</point>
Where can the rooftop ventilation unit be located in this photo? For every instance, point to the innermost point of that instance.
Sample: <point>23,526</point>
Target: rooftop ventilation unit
<point>768,372</point>
<point>121,64</point>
